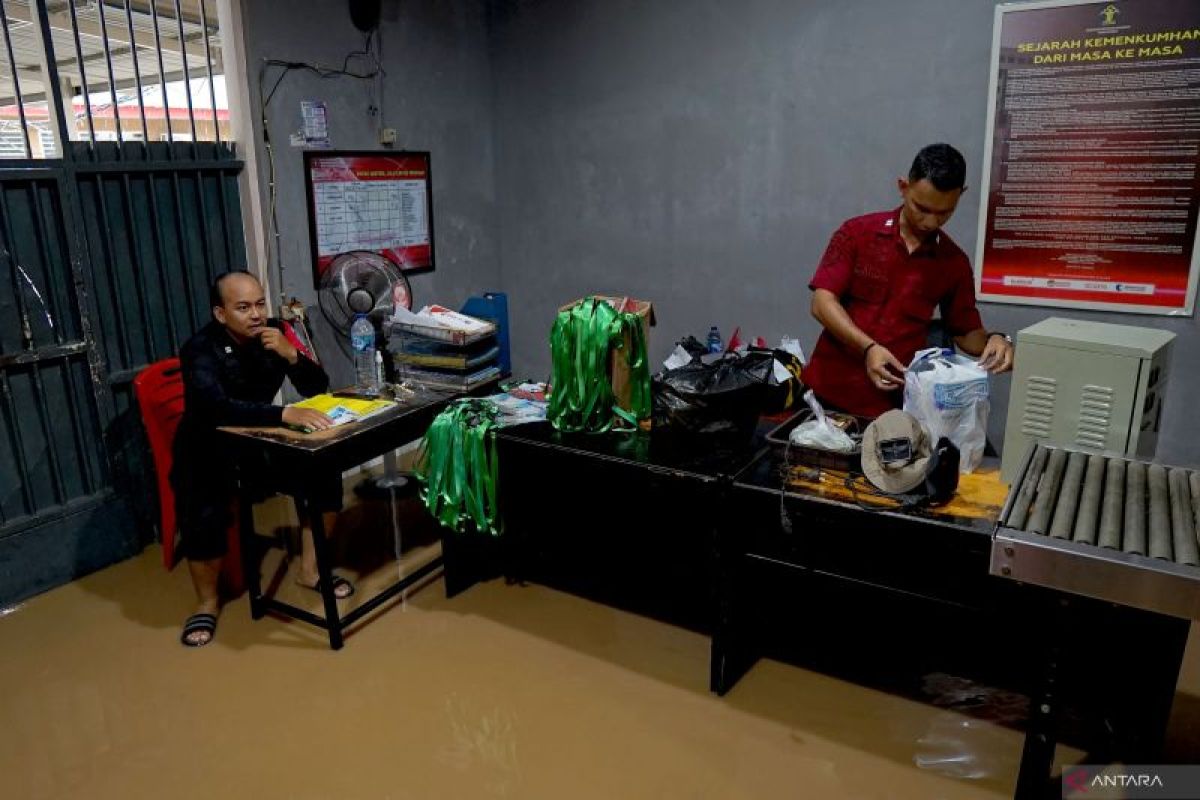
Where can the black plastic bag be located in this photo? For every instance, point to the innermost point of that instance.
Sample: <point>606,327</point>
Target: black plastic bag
<point>725,396</point>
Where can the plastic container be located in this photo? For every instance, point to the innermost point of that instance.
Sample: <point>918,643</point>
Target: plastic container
<point>779,438</point>
<point>362,344</point>
<point>714,340</point>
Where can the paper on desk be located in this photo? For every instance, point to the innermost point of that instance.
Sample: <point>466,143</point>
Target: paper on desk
<point>439,317</point>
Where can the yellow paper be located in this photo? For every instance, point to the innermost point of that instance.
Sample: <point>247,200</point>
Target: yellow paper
<point>344,409</point>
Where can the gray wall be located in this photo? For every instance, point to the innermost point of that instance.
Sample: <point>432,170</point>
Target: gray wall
<point>699,153</point>
<point>437,94</point>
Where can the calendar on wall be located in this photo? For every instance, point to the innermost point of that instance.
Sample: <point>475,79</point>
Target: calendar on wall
<point>379,201</point>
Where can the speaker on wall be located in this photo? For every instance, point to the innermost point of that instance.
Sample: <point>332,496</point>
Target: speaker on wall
<point>365,14</point>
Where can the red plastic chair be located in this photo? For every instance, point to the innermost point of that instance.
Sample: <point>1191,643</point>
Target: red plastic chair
<point>159,391</point>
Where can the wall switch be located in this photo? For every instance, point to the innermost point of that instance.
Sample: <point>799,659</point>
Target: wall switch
<point>387,136</point>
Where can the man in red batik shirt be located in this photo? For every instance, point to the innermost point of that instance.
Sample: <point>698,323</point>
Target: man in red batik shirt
<point>878,284</point>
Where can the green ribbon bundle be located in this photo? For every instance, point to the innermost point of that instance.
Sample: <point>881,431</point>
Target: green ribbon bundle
<point>580,342</point>
<point>458,466</point>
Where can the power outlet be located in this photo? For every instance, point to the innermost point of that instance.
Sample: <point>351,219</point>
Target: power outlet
<point>387,136</point>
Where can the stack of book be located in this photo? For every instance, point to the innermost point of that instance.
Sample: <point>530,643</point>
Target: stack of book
<point>442,349</point>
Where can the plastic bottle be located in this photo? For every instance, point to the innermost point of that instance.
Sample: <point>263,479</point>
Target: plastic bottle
<point>362,343</point>
<point>714,340</point>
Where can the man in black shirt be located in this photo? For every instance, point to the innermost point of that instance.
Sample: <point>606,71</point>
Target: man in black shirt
<point>232,370</point>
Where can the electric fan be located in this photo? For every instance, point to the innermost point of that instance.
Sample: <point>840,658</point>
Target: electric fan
<point>362,282</point>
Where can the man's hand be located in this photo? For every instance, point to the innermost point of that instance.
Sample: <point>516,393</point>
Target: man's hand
<point>275,341</point>
<point>883,369</point>
<point>997,355</point>
<point>306,419</point>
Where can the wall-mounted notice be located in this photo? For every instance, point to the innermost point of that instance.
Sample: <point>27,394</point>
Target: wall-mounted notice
<point>1090,183</point>
<point>377,201</point>
<point>315,120</point>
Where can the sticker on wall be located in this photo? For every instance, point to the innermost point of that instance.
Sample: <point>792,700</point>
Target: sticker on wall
<point>316,123</point>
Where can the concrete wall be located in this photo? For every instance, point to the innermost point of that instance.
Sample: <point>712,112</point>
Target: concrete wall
<point>437,94</point>
<point>700,153</point>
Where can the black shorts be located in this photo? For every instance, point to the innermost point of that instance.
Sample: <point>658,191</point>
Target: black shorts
<point>205,487</point>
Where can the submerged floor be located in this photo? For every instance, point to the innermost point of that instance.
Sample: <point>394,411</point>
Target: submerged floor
<point>503,691</point>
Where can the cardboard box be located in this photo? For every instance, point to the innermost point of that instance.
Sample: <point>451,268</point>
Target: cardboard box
<point>618,369</point>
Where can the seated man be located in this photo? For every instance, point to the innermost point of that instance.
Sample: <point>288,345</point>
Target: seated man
<point>232,370</point>
<point>878,283</point>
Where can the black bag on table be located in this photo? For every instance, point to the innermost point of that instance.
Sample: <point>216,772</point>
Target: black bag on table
<point>726,395</point>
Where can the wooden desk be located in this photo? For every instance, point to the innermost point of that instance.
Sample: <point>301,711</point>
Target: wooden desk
<point>318,455</point>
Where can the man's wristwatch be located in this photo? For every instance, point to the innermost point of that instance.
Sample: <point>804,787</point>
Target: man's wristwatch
<point>1005,336</point>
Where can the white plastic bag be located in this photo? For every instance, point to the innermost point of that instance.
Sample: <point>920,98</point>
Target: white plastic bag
<point>819,432</point>
<point>948,394</point>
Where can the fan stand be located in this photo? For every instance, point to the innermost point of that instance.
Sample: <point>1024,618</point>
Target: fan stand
<point>391,483</point>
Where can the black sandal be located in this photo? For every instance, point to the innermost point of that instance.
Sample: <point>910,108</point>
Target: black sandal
<point>338,580</point>
<point>199,623</point>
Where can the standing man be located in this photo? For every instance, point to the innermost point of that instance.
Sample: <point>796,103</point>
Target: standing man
<point>878,284</point>
<point>232,370</point>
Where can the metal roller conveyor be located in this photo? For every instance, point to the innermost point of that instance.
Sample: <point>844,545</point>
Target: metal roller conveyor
<point>1103,526</point>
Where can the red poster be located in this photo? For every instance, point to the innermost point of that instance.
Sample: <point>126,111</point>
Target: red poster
<point>1092,185</point>
<point>380,202</point>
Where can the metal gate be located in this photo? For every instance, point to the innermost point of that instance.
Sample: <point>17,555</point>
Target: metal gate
<point>106,255</point>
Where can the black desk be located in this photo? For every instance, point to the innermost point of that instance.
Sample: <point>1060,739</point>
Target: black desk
<point>625,518</point>
<point>799,556</point>
<point>330,452</point>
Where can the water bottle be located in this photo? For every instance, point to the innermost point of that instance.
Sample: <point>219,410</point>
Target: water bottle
<point>714,340</point>
<point>362,342</point>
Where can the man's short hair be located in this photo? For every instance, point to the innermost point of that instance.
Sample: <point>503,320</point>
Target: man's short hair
<point>944,166</point>
<point>215,298</point>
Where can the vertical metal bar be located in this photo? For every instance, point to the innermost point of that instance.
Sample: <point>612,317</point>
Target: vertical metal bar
<point>181,240</point>
<point>212,86</point>
<point>81,450</point>
<point>187,74</point>
<point>87,97</point>
<point>12,65</point>
<point>55,88</point>
<point>18,444</point>
<point>39,396</point>
<point>162,75</point>
<point>227,236</point>
<point>137,75</point>
<point>106,244</point>
<point>209,270</point>
<point>9,248</point>
<point>112,83</point>
<point>43,237</point>
<point>96,374</point>
<point>160,261</point>
<point>68,372</point>
<point>135,261</point>
<point>180,236</point>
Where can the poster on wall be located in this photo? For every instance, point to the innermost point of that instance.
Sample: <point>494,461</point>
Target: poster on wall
<point>377,201</point>
<point>1090,183</point>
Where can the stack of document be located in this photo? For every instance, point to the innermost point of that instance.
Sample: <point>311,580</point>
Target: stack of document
<point>345,409</point>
